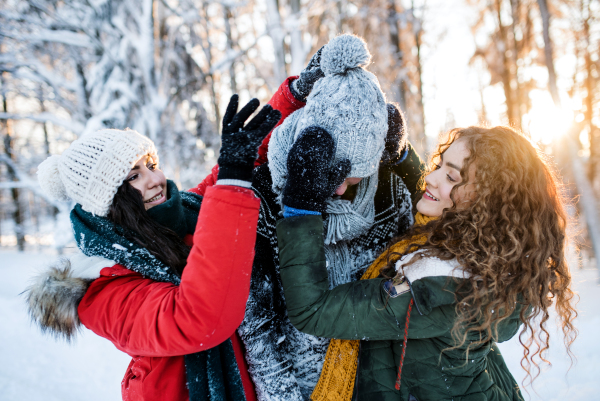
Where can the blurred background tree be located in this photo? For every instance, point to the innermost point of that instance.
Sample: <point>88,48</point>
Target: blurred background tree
<point>167,68</point>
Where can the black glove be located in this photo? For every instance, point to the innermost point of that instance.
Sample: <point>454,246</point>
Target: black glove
<point>395,141</point>
<point>312,175</point>
<point>301,87</point>
<point>239,144</point>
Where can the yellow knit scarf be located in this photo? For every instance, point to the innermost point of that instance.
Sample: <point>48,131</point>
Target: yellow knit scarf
<point>339,369</point>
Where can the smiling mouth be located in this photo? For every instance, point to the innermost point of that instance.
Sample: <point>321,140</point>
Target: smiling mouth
<point>428,196</point>
<point>155,198</point>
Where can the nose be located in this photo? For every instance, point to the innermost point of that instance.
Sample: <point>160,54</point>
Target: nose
<point>153,180</point>
<point>342,188</point>
<point>430,179</point>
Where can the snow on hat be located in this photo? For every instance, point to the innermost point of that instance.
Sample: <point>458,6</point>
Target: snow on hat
<point>349,104</point>
<point>93,167</point>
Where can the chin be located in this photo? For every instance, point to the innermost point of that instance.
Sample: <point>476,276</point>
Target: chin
<point>426,210</point>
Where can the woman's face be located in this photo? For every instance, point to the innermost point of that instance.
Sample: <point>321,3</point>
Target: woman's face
<point>439,182</point>
<point>146,177</point>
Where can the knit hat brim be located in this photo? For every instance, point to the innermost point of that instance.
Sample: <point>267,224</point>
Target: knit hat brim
<point>94,166</point>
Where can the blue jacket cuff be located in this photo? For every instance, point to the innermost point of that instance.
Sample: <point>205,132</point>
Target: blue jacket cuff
<point>291,212</point>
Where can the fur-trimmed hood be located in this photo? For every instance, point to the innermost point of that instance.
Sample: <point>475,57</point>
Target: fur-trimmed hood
<point>55,293</point>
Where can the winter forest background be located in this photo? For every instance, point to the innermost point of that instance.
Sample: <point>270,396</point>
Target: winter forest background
<point>167,68</point>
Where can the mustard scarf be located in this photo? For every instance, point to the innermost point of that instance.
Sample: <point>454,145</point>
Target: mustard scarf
<point>336,382</point>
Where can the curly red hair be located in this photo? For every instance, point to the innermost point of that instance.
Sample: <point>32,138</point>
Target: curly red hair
<point>511,239</point>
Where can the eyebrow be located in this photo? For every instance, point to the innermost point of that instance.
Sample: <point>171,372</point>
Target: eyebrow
<point>452,165</point>
<point>148,156</point>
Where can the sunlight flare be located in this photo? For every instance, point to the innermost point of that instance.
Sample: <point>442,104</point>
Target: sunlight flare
<point>545,122</point>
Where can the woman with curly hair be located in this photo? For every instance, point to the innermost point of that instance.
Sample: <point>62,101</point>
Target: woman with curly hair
<point>485,259</point>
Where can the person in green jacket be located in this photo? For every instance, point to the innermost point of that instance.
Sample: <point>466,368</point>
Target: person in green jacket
<point>485,260</point>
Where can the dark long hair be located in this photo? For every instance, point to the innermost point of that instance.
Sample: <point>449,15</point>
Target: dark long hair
<point>133,222</point>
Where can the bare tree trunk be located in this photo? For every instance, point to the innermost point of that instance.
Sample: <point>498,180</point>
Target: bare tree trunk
<point>548,51</point>
<point>276,33</point>
<point>483,118</point>
<point>341,20</point>
<point>8,145</point>
<point>514,68</point>
<point>588,200</point>
<point>208,54</point>
<point>228,16</point>
<point>594,133</point>
<point>297,48</point>
<point>418,32</point>
<point>506,68</point>
<point>394,30</point>
<point>46,144</point>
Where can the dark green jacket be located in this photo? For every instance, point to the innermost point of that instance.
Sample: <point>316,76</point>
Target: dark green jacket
<point>363,310</point>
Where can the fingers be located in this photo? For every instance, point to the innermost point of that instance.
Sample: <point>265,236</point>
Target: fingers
<point>271,121</point>
<point>243,114</point>
<point>315,60</point>
<point>339,172</point>
<point>259,118</point>
<point>231,110</point>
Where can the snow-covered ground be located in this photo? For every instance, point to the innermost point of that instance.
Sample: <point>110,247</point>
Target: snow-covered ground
<point>37,367</point>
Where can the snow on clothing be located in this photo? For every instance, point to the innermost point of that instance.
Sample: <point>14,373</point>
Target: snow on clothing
<point>273,345</point>
<point>365,310</point>
<point>284,363</point>
<point>158,322</point>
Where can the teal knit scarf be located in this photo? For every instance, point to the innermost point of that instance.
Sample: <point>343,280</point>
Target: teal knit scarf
<point>212,375</point>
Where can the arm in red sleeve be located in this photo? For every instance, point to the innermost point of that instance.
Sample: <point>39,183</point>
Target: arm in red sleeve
<point>282,100</point>
<point>209,181</point>
<point>145,317</point>
<point>286,103</point>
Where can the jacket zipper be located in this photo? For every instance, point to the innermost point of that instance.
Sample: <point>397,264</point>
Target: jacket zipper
<point>357,366</point>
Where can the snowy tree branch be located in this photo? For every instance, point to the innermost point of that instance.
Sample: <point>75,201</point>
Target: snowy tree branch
<point>73,126</point>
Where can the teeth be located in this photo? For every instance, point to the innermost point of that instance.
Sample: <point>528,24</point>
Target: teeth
<point>432,197</point>
<point>157,197</point>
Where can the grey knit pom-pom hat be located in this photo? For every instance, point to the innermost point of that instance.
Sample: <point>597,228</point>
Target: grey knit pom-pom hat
<point>349,104</point>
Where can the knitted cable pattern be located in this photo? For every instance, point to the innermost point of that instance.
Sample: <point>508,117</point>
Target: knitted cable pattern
<point>93,167</point>
<point>346,220</point>
<point>339,369</point>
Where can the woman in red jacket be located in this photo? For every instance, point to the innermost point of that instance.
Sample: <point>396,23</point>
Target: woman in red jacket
<point>166,282</point>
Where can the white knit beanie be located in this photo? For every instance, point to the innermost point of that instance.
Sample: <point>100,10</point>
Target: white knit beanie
<point>93,167</point>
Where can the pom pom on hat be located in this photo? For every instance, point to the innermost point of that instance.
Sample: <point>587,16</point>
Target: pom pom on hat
<point>343,53</point>
<point>49,179</point>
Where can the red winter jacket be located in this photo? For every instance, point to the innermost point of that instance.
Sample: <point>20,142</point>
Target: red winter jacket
<point>157,323</point>
<point>282,100</point>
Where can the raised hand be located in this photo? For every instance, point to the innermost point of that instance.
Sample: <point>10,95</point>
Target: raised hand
<point>313,176</point>
<point>395,141</point>
<point>302,86</point>
<point>239,143</point>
